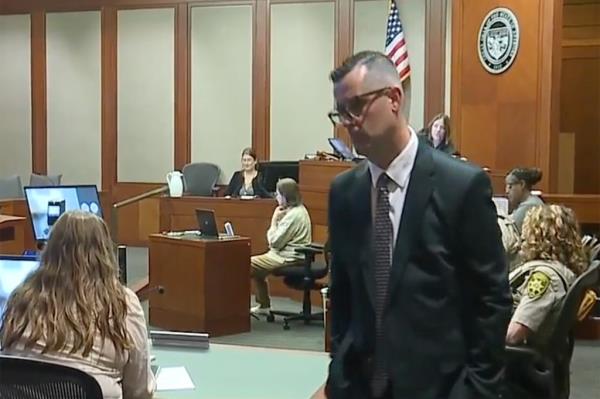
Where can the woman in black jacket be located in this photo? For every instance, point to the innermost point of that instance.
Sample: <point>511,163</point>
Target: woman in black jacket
<point>437,134</point>
<point>247,182</point>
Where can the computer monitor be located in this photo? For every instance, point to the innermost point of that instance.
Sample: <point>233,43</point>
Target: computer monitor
<point>341,148</point>
<point>273,171</point>
<point>501,204</point>
<point>13,271</point>
<point>46,204</point>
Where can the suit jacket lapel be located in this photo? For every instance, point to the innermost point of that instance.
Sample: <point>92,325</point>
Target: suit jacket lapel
<point>361,197</point>
<point>417,198</point>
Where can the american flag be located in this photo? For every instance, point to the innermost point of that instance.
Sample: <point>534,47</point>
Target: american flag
<point>395,45</point>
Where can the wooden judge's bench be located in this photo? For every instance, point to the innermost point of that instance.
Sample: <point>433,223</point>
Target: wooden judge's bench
<point>315,178</point>
<point>251,218</point>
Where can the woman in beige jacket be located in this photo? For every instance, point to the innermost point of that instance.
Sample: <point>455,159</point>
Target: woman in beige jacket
<point>290,228</point>
<point>72,310</point>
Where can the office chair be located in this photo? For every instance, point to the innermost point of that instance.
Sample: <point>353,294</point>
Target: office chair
<point>592,246</point>
<point>303,276</point>
<point>32,379</point>
<point>541,371</point>
<point>200,178</point>
<point>36,180</point>
<point>11,187</point>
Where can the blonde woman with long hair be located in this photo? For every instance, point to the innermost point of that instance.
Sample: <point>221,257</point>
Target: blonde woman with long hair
<point>74,311</point>
<point>553,256</point>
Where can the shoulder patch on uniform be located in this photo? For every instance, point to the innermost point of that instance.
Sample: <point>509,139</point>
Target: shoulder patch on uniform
<point>537,285</point>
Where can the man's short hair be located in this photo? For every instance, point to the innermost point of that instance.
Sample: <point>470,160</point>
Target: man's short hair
<point>372,60</point>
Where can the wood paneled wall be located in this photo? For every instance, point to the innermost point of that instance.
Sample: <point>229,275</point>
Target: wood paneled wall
<point>435,59</point>
<point>39,127</point>
<point>511,119</point>
<point>580,90</point>
<point>344,28</point>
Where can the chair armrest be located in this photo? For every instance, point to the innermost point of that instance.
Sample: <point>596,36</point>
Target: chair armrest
<point>309,250</point>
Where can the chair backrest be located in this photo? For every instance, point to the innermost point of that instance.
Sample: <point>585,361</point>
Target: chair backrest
<point>567,314</point>
<point>327,257</point>
<point>200,178</point>
<point>32,379</point>
<point>592,246</point>
<point>595,252</point>
<point>11,187</point>
<point>36,180</point>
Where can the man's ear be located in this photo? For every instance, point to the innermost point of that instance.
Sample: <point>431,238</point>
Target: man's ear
<point>397,99</point>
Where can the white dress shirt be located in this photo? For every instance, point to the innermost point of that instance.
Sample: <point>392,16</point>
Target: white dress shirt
<point>399,173</point>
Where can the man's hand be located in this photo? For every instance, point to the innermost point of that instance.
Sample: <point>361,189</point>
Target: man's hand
<point>516,334</point>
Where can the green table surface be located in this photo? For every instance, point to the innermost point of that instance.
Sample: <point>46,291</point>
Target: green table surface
<point>229,371</point>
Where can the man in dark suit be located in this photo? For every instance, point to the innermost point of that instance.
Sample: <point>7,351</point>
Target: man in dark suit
<point>420,301</point>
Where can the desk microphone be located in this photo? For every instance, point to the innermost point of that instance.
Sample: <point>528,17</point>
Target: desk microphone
<point>229,229</point>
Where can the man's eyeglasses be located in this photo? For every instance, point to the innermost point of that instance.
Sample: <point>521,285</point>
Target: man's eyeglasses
<point>353,109</point>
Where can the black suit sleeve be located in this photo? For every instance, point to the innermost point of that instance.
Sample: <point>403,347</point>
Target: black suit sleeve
<point>339,282</point>
<point>233,187</point>
<point>487,298</point>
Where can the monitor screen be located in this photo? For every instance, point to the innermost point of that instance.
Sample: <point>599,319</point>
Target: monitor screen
<point>46,204</point>
<point>272,171</point>
<point>13,271</point>
<point>341,148</point>
<point>501,204</point>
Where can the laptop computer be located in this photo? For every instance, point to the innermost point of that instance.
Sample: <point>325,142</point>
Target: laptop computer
<point>207,224</point>
<point>13,271</point>
<point>341,149</point>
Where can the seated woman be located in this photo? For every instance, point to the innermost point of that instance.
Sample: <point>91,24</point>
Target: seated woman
<point>247,182</point>
<point>290,229</point>
<point>553,256</point>
<point>74,311</point>
<point>519,183</point>
<point>437,134</point>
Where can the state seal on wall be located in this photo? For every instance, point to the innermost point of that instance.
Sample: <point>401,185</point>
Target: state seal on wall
<point>498,40</point>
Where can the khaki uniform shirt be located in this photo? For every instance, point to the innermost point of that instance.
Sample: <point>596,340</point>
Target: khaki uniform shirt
<point>538,288</point>
<point>524,207</point>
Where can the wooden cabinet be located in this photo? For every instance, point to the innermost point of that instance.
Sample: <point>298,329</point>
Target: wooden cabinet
<point>12,235</point>
<point>206,284</point>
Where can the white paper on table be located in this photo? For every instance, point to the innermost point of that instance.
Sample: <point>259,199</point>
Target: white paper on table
<point>173,378</point>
